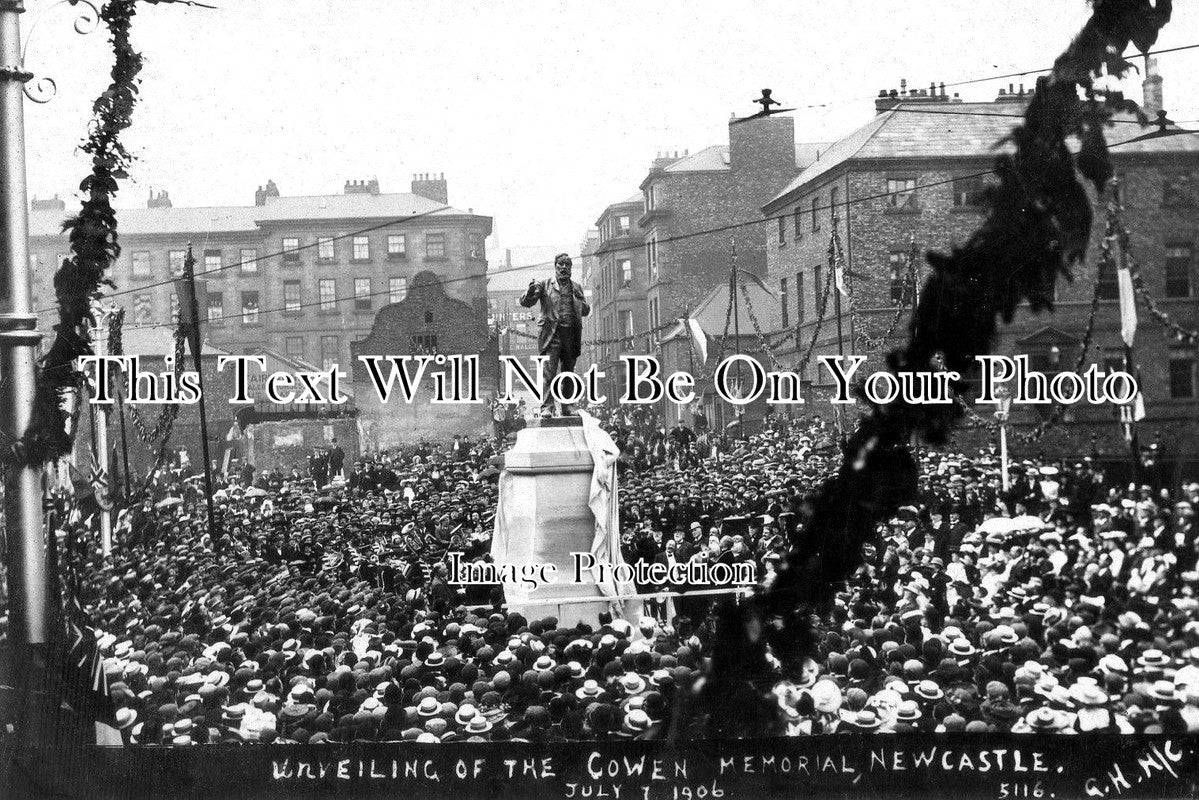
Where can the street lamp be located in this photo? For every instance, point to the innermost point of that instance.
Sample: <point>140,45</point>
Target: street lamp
<point>28,557</point>
<point>1003,396</point>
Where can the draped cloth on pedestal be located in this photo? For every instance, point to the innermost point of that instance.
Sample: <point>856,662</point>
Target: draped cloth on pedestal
<point>529,528</point>
<point>605,505</point>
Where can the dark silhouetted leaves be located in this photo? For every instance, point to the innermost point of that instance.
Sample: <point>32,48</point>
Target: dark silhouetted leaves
<point>1037,229</point>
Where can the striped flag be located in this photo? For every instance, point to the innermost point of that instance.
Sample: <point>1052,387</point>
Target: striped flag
<point>1128,306</point>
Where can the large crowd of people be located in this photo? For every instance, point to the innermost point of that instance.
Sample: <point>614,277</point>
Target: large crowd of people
<point>325,612</point>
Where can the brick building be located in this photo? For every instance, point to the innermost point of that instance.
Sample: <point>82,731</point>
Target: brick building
<point>706,190</point>
<point>734,325</point>
<point>429,320</point>
<point>910,176</point>
<point>303,276</point>
<point>618,288</point>
<point>515,325</point>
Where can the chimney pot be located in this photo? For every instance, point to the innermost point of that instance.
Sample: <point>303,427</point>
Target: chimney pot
<point>1152,97</point>
<point>942,88</point>
<point>903,85</point>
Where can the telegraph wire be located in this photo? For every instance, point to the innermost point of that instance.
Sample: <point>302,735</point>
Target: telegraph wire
<point>525,267</point>
<point>972,81</point>
<point>732,226</point>
<point>320,240</point>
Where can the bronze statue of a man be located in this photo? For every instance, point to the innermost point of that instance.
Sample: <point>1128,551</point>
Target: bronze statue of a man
<point>560,327</point>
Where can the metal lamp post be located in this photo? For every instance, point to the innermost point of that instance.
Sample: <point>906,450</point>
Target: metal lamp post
<point>27,556</point>
<point>27,560</point>
<point>1003,396</point>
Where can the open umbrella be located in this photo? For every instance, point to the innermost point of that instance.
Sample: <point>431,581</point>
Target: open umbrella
<point>998,525</point>
<point>254,491</point>
<point>167,502</point>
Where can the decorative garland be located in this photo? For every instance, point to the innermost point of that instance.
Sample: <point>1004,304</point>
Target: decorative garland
<point>870,343</point>
<point>168,411</point>
<point>763,343</point>
<point>94,249</point>
<point>158,437</point>
<point>1172,328</point>
<point>1037,228</point>
<point>834,252</point>
<point>1059,409</point>
<point>629,339</point>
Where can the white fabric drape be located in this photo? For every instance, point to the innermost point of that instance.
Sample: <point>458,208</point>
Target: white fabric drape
<point>604,504</point>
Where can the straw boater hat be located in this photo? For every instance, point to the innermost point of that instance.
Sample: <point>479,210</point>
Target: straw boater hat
<point>589,690</point>
<point>1045,719</point>
<point>929,690</point>
<point>632,683</point>
<point>908,711</point>
<point>864,720</point>
<point>478,724</point>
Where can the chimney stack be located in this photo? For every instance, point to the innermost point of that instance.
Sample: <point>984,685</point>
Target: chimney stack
<point>1152,87</point>
<point>362,187</point>
<point>160,200</point>
<point>270,190</point>
<point>49,204</point>
<point>431,186</point>
<point>889,98</point>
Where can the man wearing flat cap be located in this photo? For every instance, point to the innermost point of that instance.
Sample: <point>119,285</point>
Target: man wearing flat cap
<point>560,326</point>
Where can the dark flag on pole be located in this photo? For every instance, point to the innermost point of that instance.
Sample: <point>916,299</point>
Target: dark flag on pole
<point>184,288</point>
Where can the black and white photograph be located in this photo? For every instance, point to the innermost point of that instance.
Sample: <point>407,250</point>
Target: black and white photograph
<point>602,401</point>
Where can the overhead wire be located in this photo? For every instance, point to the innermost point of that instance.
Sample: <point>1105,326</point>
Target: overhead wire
<point>525,267</point>
<point>972,81</point>
<point>666,240</point>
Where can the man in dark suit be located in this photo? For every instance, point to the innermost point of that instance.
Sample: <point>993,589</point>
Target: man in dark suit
<point>560,327</point>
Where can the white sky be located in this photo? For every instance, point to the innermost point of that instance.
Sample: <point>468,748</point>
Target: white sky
<point>539,113</point>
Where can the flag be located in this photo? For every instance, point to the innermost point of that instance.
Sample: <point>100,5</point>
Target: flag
<point>100,488</point>
<point>839,278</point>
<point>701,338</point>
<point>183,290</point>
<point>1131,413</point>
<point>1128,306</point>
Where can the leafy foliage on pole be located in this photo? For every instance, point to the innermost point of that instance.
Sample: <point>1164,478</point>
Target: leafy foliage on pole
<point>94,247</point>
<point>1036,231</point>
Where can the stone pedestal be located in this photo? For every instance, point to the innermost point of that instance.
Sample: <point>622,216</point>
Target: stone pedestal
<point>550,471</point>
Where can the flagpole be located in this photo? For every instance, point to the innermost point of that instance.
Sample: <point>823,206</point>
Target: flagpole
<point>838,281</point>
<point>197,346</point>
<point>27,563</point>
<point>734,285</point>
<point>1128,330</point>
<point>127,483</point>
<point>100,435</point>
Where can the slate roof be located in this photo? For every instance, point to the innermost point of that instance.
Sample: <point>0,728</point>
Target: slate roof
<point>235,219</point>
<point>957,130</point>
<point>711,311</point>
<point>716,157</point>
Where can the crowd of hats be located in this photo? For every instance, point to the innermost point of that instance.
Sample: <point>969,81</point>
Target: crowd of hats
<point>1064,604</point>
<point>1083,616</point>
